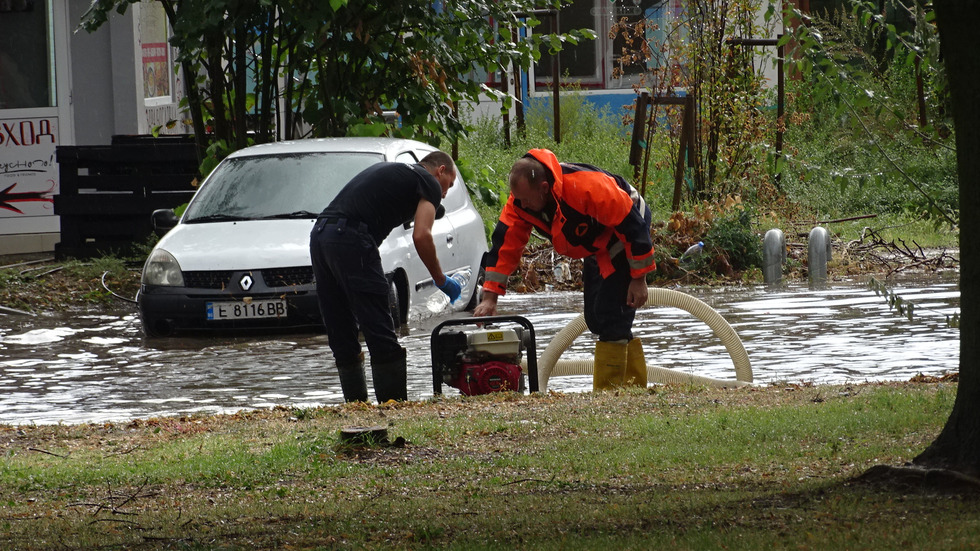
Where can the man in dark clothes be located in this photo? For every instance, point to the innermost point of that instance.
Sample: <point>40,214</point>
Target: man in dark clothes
<point>350,282</point>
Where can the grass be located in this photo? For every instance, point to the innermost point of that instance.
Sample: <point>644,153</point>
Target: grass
<point>925,233</point>
<point>64,285</point>
<point>681,467</point>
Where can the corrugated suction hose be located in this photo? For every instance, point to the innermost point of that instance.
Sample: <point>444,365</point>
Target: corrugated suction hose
<point>549,364</point>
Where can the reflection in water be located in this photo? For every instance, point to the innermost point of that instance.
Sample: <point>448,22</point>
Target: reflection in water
<point>77,369</point>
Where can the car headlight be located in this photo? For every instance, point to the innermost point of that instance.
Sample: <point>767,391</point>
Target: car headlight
<point>161,269</point>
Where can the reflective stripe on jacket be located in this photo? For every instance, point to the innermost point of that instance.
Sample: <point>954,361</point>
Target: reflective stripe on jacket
<point>598,214</point>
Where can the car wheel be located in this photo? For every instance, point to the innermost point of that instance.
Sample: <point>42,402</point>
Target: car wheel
<point>475,297</point>
<point>394,305</point>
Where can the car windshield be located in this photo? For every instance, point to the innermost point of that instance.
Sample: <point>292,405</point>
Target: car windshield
<point>275,186</point>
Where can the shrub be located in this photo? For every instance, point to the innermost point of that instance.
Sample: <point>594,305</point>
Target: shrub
<point>732,233</point>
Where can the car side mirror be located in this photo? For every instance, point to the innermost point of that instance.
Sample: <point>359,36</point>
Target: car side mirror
<point>163,220</point>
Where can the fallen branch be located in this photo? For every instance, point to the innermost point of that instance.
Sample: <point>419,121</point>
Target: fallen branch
<point>28,263</point>
<point>51,271</point>
<point>8,310</point>
<point>523,480</point>
<point>119,520</point>
<point>852,218</point>
<point>942,480</point>
<point>39,450</point>
<point>130,450</point>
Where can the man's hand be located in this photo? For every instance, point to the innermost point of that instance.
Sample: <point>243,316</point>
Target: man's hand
<point>636,296</point>
<point>452,289</point>
<point>487,306</point>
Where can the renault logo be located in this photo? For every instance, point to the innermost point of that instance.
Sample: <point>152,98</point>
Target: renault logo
<point>246,282</point>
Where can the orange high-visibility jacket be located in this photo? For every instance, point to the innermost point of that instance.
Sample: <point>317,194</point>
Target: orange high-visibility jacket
<point>598,214</point>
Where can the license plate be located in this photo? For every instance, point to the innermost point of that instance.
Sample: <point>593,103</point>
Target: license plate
<point>242,310</point>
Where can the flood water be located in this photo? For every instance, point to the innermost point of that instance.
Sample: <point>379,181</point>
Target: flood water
<point>96,368</point>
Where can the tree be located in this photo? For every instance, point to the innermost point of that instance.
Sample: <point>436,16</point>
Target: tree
<point>693,51</point>
<point>881,92</point>
<point>268,69</point>
<point>957,447</point>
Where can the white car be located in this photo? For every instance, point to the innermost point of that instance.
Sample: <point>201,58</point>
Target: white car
<point>239,257</point>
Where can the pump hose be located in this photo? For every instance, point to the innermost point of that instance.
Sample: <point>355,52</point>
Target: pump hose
<point>549,365</point>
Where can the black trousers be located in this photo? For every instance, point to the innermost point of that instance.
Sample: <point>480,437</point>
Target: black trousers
<point>352,292</point>
<point>606,312</point>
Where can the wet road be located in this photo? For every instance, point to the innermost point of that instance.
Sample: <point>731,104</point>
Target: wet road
<point>93,368</point>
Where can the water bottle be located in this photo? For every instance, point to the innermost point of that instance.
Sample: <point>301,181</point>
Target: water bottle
<point>691,252</point>
<point>562,272</point>
<point>439,301</point>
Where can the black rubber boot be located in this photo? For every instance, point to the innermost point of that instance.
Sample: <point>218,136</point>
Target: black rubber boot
<point>352,380</point>
<point>390,378</point>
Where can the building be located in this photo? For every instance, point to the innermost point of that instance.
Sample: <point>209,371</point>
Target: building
<point>595,69</point>
<point>64,86</point>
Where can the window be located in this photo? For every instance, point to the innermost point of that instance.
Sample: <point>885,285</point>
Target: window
<point>666,18</point>
<point>26,55</point>
<point>157,68</point>
<point>597,63</point>
<point>406,157</point>
<point>579,62</point>
<point>270,186</point>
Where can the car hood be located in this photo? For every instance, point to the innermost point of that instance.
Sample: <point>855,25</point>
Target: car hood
<point>246,245</point>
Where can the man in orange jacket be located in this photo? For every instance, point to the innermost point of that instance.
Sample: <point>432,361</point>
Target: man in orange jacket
<point>587,213</point>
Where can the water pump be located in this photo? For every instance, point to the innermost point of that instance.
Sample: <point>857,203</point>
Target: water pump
<point>483,360</point>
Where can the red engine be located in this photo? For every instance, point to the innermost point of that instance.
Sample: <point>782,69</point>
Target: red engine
<point>480,362</point>
<point>487,377</point>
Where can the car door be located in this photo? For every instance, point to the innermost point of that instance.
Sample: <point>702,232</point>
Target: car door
<point>469,240</point>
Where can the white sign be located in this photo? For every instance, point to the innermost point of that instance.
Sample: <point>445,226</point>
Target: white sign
<point>28,171</point>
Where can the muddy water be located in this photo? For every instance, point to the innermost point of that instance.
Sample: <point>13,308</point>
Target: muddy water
<point>91,368</point>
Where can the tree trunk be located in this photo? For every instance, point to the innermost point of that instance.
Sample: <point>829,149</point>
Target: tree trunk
<point>216,84</point>
<point>239,117</point>
<point>191,91</point>
<point>958,445</point>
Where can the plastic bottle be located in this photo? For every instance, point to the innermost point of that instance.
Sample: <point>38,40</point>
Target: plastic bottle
<point>562,271</point>
<point>439,301</point>
<point>691,252</point>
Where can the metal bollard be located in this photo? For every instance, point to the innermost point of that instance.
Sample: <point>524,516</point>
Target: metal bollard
<point>773,256</point>
<point>819,252</point>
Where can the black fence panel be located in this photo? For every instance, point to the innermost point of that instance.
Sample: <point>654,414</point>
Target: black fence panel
<point>109,191</point>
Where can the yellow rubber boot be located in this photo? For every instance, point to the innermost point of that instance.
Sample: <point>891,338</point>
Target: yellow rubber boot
<point>609,366</point>
<point>636,365</point>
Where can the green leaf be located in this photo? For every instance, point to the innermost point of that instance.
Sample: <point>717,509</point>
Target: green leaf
<point>368,130</point>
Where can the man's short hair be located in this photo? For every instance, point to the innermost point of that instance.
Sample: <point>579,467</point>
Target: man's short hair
<point>531,170</point>
<point>437,159</point>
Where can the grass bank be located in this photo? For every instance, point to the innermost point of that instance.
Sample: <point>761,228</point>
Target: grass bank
<point>676,467</point>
